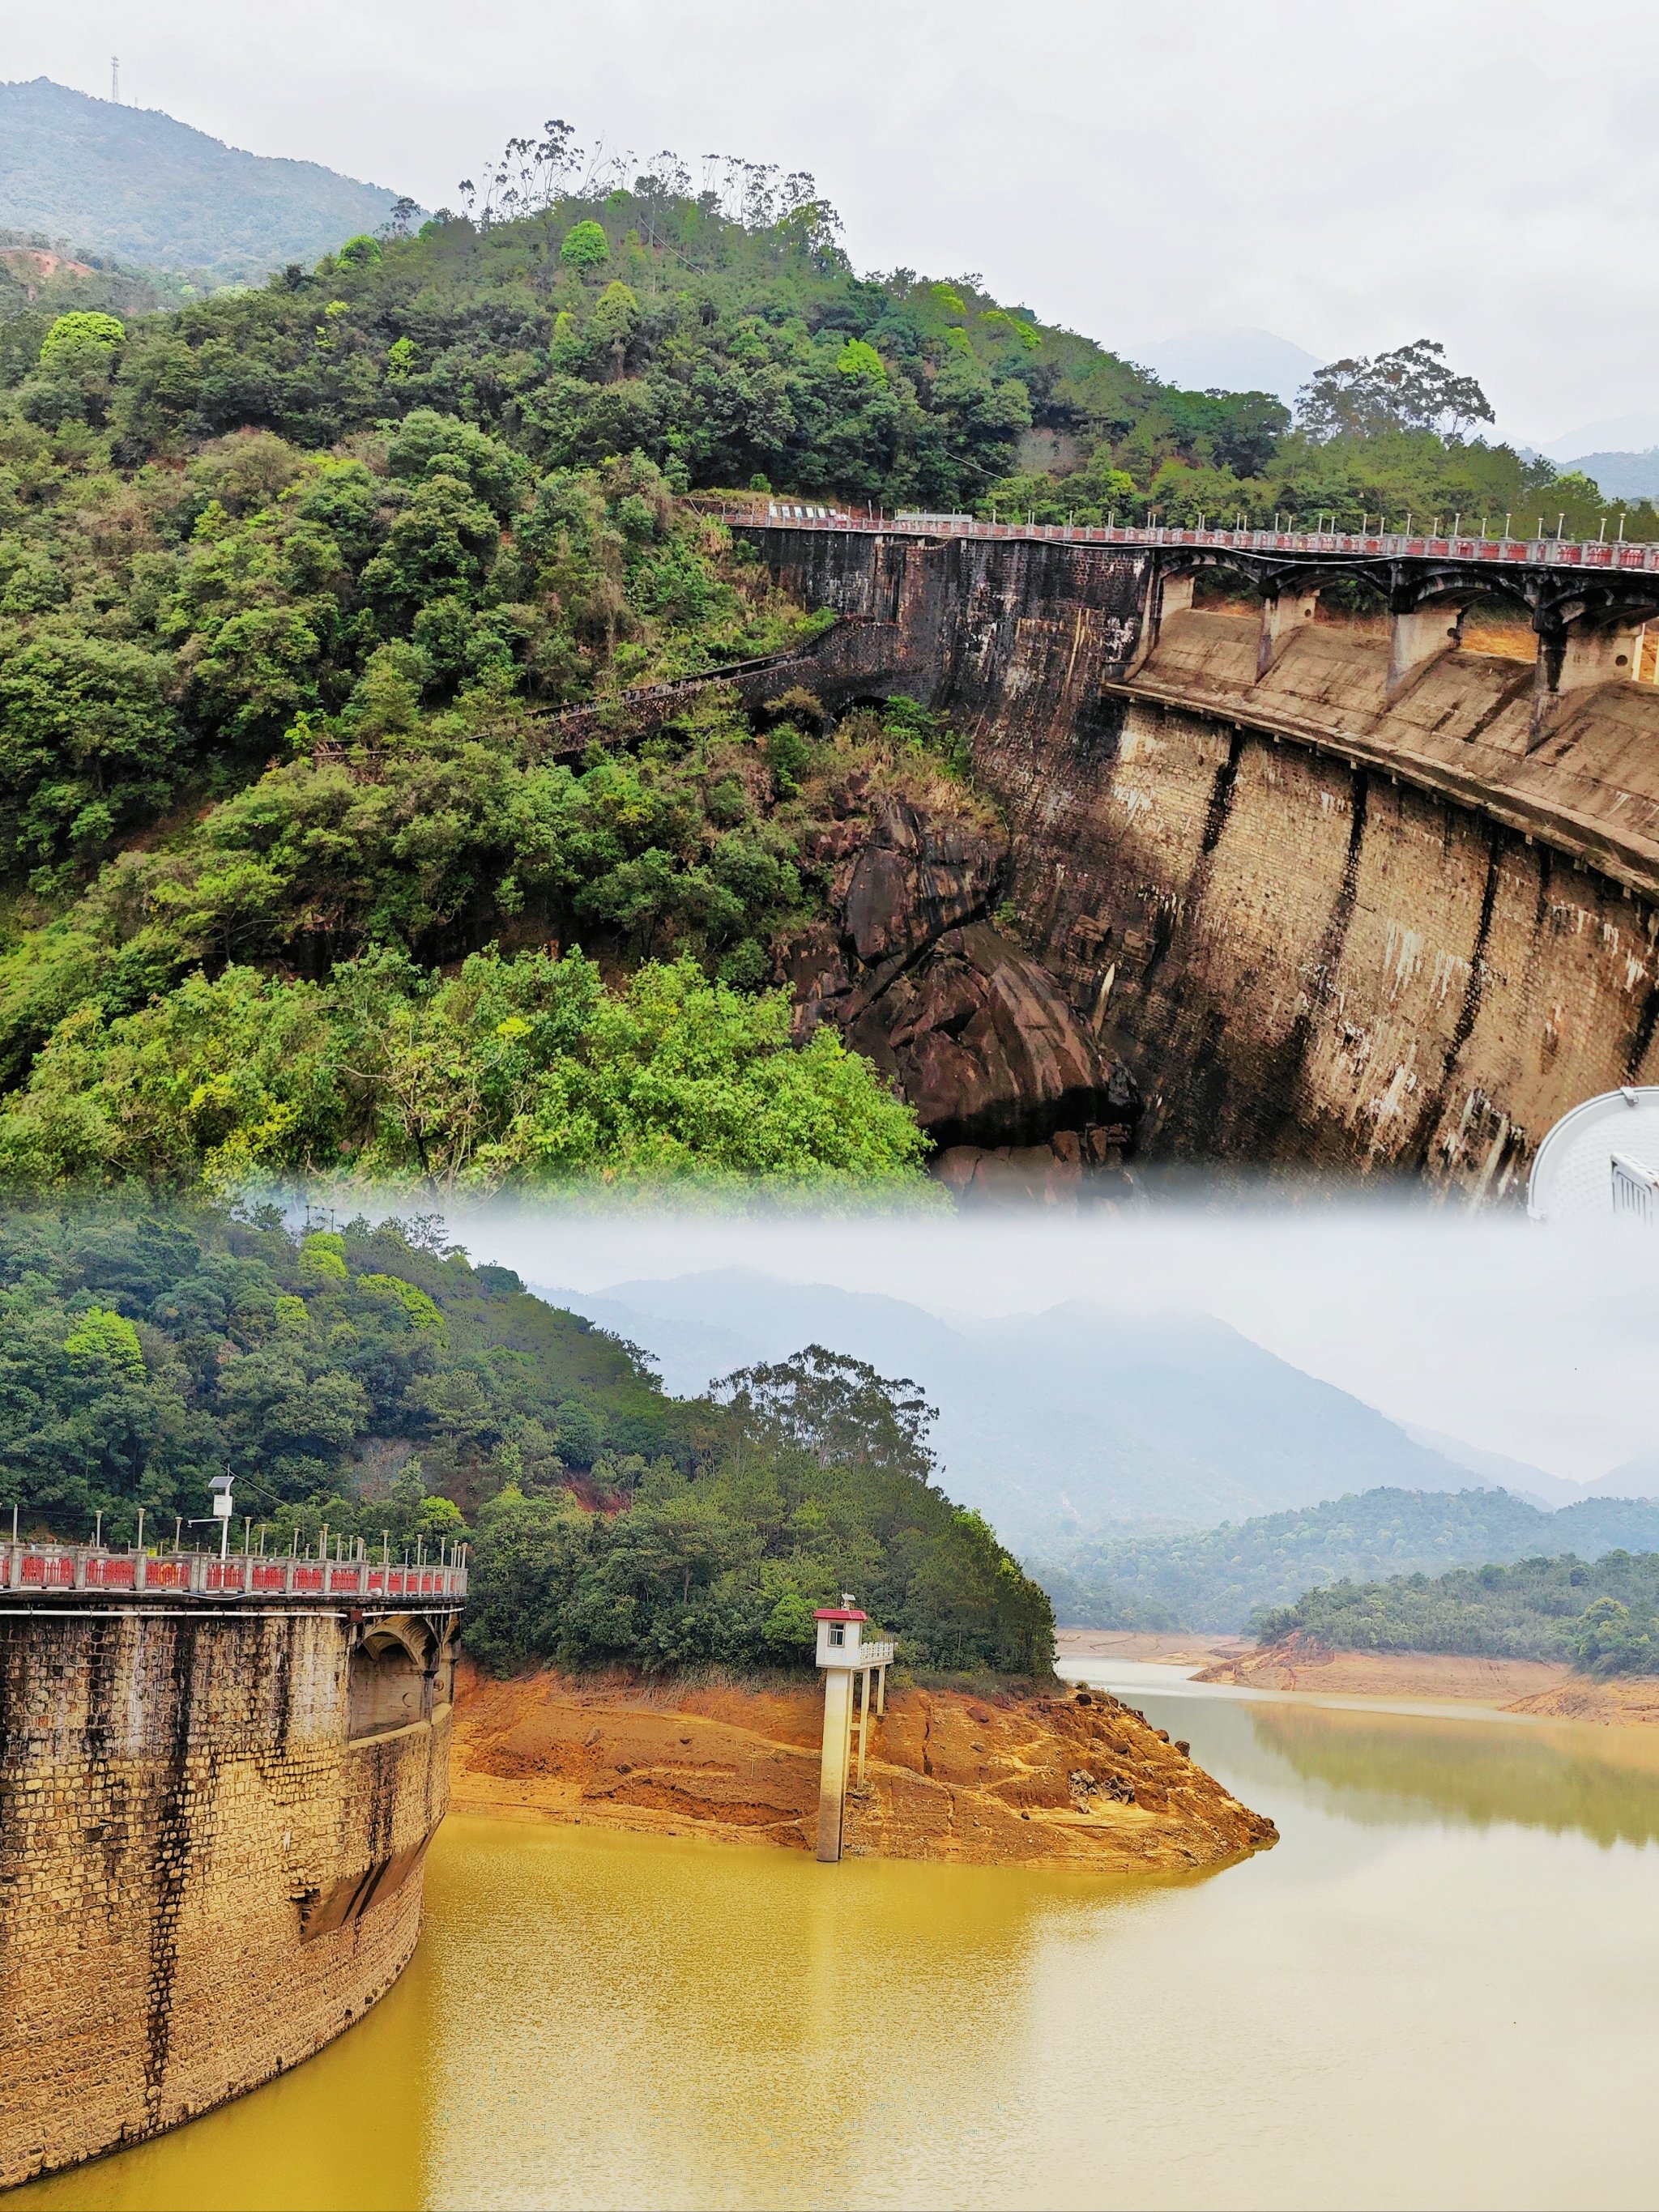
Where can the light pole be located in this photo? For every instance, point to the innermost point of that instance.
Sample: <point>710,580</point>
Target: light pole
<point>220,1485</point>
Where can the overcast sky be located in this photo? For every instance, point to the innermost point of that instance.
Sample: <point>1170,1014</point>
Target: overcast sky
<point>1349,178</point>
<point>1537,1342</point>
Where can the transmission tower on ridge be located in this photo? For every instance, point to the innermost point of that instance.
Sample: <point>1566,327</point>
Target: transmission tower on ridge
<point>115,78</point>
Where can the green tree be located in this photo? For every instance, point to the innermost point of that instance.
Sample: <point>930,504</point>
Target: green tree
<point>585,245</point>
<point>88,739</point>
<point>1409,389</point>
<point>76,342</point>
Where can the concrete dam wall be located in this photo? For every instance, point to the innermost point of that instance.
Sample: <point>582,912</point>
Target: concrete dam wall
<point>1325,917</point>
<point>212,1822</point>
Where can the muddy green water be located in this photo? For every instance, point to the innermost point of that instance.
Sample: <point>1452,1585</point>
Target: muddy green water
<point>1442,1990</point>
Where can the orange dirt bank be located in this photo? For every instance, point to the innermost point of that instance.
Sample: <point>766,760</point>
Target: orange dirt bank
<point>1077,1781</point>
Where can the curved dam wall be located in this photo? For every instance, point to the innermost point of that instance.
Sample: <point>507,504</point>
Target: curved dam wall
<point>204,1873</point>
<point>1324,919</point>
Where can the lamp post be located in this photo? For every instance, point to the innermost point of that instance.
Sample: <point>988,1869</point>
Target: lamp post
<point>220,1485</point>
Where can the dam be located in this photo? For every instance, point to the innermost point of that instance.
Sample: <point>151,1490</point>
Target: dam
<point>219,1776</point>
<point>1346,894</point>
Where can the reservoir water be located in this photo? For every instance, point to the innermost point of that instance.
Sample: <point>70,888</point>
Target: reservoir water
<point>1441,1989</point>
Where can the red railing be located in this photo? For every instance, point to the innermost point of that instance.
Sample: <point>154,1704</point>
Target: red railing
<point>1537,552</point>
<point>42,1569</point>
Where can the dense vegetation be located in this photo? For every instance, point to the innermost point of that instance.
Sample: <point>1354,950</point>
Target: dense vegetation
<point>296,582</point>
<point>42,278</point>
<point>824,1482</point>
<point>133,183</point>
<point>1601,1615</point>
<point>370,1380</point>
<point>1218,1578</point>
<point>1386,438</point>
<point>264,981</point>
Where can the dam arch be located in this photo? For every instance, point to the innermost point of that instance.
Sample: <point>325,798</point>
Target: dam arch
<point>1323,919</point>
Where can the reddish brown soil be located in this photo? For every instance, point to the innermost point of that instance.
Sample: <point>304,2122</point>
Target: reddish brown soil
<point>1080,1780</point>
<point>1188,1647</point>
<point>1299,1664</point>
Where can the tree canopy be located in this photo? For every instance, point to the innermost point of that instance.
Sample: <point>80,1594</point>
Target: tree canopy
<point>369,1380</point>
<point>1410,389</point>
<point>1218,1578</point>
<point>1601,1615</point>
<point>824,1482</point>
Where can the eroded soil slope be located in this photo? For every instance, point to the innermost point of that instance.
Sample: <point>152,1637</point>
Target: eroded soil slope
<point>1548,1689</point>
<point>1075,1778</point>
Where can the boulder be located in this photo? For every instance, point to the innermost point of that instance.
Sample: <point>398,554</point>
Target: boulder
<point>917,875</point>
<point>973,1031</point>
<point>986,1046</point>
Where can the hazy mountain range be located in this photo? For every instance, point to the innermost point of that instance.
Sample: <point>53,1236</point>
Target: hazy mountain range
<point>1230,361</point>
<point>1075,1420</point>
<point>1217,1578</point>
<point>1622,475</point>
<point>132,183</point>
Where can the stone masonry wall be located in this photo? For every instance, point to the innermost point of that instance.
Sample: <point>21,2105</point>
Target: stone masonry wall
<point>1303,960</point>
<point>202,1881</point>
<point>1317,923</point>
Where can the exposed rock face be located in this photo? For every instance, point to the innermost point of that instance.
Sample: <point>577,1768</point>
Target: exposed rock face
<point>977,1036</point>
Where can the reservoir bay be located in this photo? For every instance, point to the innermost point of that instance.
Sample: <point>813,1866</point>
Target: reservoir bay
<point>1438,1991</point>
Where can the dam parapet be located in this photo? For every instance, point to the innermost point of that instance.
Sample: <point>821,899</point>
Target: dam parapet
<point>216,1797</point>
<point>33,1570</point>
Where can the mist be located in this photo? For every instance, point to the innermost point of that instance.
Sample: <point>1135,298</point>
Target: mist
<point>1530,1341</point>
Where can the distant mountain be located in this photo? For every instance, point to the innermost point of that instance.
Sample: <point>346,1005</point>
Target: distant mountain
<point>1527,1481</point>
<point>1608,433</point>
<point>1635,1478</point>
<point>1622,475</point>
<point>1231,361</point>
<point>134,182</point>
<point>1217,1578</point>
<point>1059,1424</point>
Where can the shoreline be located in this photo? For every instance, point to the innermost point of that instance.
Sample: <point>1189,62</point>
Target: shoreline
<point>1540,1689</point>
<point>1008,1779</point>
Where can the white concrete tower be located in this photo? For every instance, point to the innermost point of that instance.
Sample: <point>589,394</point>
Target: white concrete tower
<point>841,1654</point>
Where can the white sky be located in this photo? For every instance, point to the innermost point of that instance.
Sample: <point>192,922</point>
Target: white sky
<point>1349,177</point>
<point>1538,1342</point>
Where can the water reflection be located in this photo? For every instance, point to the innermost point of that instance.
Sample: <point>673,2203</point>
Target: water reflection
<point>1377,1767</point>
<point>1385,1768</point>
<point>348,2129</point>
<point>1459,1913</point>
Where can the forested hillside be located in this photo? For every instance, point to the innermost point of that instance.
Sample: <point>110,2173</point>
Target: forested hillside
<point>370,1380</point>
<point>1219,1578</point>
<point>44,275</point>
<point>136,184</point>
<point>295,582</point>
<point>1603,1615</point>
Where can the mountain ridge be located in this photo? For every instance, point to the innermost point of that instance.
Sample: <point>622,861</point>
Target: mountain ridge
<point>1056,1426</point>
<point>1219,1578</point>
<point>138,183</point>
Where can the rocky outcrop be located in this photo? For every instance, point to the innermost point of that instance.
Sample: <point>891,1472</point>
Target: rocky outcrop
<point>1004,1074</point>
<point>1000,1777</point>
